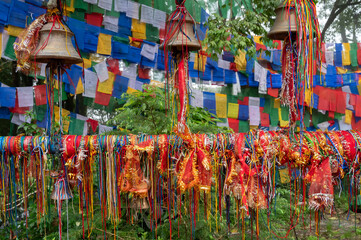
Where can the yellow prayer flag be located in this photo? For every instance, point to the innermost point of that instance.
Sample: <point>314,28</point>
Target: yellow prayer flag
<point>233,110</point>
<point>346,59</point>
<point>138,29</point>
<point>348,116</point>
<point>346,46</point>
<point>87,63</point>
<point>257,39</point>
<point>283,123</point>
<point>107,85</point>
<point>277,103</point>
<point>240,60</point>
<point>14,31</point>
<point>80,87</point>
<point>221,105</point>
<point>308,97</point>
<point>64,113</point>
<point>131,90</point>
<point>341,70</point>
<point>284,175</point>
<point>200,62</point>
<point>104,44</point>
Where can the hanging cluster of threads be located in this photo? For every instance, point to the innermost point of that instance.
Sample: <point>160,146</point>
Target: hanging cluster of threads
<point>300,55</point>
<point>223,171</point>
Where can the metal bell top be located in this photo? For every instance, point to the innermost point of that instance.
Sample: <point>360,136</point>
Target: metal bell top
<point>284,24</point>
<point>55,45</point>
<point>183,38</point>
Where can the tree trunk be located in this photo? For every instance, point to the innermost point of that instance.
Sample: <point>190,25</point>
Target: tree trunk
<point>343,28</point>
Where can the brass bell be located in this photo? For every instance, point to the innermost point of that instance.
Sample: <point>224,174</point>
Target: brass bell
<point>55,44</point>
<point>183,38</point>
<point>285,22</point>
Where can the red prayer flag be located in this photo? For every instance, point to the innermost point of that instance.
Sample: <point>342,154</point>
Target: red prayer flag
<point>234,124</point>
<point>17,109</point>
<point>324,52</point>
<point>93,123</point>
<point>323,100</point>
<point>273,92</point>
<point>95,19</point>
<point>279,44</point>
<point>40,94</point>
<point>341,102</point>
<point>143,72</point>
<point>352,99</point>
<point>331,114</point>
<point>358,106</point>
<point>244,102</point>
<point>265,122</point>
<point>102,98</point>
<point>332,100</point>
<point>355,125</point>
<point>113,66</point>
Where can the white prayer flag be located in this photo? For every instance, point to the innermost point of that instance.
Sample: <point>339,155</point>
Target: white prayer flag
<point>133,10</point>
<point>260,75</point>
<point>159,19</point>
<point>25,96</point>
<point>120,5</point>
<point>90,85</point>
<point>146,14</point>
<point>102,71</point>
<point>106,4</point>
<point>149,51</point>
<point>104,129</point>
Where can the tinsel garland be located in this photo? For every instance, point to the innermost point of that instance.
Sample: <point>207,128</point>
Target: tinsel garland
<point>160,172</point>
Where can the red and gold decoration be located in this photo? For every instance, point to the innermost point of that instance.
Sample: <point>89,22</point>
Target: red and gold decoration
<point>163,172</point>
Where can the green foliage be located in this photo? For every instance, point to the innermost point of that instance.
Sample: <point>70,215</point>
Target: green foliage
<point>30,128</point>
<point>235,34</point>
<point>145,112</point>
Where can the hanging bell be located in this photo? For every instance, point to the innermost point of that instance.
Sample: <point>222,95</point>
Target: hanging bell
<point>61,190</point>
<point>184,38</point>
<point>285,22</point>
<point>55,44</point>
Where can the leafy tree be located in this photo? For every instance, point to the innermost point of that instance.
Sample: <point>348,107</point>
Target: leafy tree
<point>145,112</point>
<point>230,29</point>
<point>340,17</point>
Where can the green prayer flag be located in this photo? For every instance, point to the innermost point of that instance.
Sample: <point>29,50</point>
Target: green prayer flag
<point>145,2</point>
<point>80,5</point>
<point>9,50</point>
<point>353,57</point>
<point>76,126</point>
<point>79,15</point>
<point>152,33</point>
<point>243,126</point>
<point>268,105</point>
<point>285,113</point>
<point>231,99</point>
<point>40,112</point>
<point>88,101</point>
<point>274,117</point>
